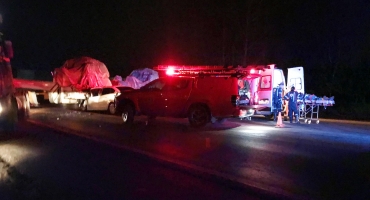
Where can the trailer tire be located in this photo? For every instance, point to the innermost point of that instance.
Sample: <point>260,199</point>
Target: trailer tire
<point>11,117</point>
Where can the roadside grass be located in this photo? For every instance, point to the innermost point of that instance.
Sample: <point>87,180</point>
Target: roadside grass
<point>349,112</point>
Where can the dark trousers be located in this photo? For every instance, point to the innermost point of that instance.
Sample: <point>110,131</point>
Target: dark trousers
<point>277,109</point>
<point>293,109</point>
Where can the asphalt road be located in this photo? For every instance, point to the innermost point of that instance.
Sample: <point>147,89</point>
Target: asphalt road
<point>39,163</point>
<point>320,161</point>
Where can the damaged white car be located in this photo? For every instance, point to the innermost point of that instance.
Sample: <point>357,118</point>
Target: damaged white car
<point>102,98</point>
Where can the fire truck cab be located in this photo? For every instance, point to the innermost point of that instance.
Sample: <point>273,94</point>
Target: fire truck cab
<point>244,86</point>
<point>201,93</point>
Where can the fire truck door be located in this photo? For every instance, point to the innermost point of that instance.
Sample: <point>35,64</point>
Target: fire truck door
<point>175,94</point>
<point>150,100</point>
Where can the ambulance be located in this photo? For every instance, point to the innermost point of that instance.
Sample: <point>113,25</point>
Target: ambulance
<point>262,86</point>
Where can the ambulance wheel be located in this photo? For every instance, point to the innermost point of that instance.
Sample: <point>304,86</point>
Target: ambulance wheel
<point>198,115</point>
<point>127,115</point>
<point>269,117</point>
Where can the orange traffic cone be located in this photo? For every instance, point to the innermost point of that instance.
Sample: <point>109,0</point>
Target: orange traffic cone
<point>279,123</point>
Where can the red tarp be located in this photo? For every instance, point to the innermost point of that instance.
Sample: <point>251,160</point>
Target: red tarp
<point>82,73</point>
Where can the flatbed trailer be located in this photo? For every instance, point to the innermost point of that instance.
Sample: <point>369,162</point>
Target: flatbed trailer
<point>309,109</point>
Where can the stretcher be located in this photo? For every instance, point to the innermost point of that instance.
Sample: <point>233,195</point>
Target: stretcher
<point>309,109</point>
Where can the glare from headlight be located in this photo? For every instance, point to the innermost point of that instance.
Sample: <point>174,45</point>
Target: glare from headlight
<point>1,108</point>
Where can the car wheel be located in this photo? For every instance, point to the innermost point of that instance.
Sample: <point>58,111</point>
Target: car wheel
<point>127,115</point>
<point>198,116</point>
<point>111,109</point>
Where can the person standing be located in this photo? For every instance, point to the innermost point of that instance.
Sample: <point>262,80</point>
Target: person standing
<point>277,100</point>
<point>292,97</point>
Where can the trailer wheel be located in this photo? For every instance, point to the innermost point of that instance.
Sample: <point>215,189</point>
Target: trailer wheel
<point>11,117</point>
<point>9,127</point>
<point>198,115</point>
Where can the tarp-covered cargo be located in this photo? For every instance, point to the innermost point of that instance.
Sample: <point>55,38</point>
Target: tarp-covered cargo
<point>82,73</point>
<point>137,79</point>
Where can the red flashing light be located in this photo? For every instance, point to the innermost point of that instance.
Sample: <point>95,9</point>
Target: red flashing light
<point>170,71</point>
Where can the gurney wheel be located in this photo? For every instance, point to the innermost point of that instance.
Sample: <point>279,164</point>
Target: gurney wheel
<point>318,121</point>
<point>305,121</point>
<point>309,122</point>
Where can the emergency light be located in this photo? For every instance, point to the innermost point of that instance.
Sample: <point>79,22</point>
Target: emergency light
<point>170,71</point>
<point>212,70</point>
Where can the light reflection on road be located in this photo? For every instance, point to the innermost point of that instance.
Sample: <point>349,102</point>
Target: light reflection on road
<point>258,131</point>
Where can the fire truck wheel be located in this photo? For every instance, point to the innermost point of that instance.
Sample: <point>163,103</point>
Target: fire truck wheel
<point>198,115</point>
<point>111,109</point>
<point>127,115</point>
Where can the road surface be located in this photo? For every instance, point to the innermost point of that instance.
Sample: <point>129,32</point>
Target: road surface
<point>320,161</point>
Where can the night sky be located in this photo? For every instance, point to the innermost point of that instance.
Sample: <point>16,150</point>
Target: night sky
<point>131,34</point>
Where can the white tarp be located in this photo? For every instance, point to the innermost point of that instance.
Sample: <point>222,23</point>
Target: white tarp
<point>137,79</point>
